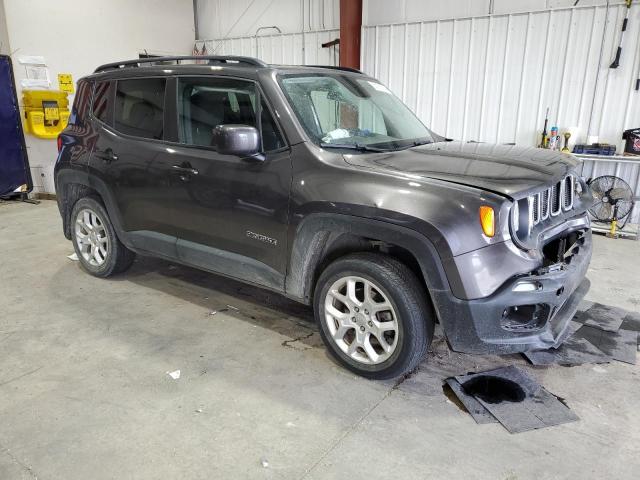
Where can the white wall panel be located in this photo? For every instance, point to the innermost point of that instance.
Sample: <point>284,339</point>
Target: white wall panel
<point>384,11</point>
<point>570,3</point>
<point>286,49</point>
<point>241,18</point>
<point>512,6</point>
<point>491,78</point>
<point>83,35</point>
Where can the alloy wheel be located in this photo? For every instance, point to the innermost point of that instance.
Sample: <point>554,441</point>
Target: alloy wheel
<point>91,237</point>
<point>361,320</point>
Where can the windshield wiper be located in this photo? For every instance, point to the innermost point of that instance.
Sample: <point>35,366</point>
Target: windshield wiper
<point>353,146</point>
<point>417,143</point>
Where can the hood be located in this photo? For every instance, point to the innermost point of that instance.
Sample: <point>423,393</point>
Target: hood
<point>504,169</point>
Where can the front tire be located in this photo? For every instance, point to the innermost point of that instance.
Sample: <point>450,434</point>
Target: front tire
<point>373,315</point>
<point>99,250</point>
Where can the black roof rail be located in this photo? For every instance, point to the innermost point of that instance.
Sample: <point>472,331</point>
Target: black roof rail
<point>210,59</point>
<point>333,67</point>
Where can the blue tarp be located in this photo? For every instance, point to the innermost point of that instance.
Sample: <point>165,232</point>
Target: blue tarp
<point>14,165</point>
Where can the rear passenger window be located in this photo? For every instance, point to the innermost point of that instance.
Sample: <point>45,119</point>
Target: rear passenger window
<point>203,104</point>
<point>102,105</point>
<point>139,107</point>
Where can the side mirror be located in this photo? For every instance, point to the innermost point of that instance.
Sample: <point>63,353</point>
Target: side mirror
<point>240,140</point>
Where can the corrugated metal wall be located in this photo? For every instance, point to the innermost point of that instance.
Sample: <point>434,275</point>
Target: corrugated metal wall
<point>241,18</point>
<point>491,78</point>
<point>286,48</point>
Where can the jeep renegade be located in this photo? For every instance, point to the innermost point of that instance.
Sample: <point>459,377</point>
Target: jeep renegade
<point>318,183</point>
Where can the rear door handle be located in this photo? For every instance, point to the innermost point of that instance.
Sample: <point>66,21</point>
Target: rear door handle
<point>107,155</point>
<point>184,169</point>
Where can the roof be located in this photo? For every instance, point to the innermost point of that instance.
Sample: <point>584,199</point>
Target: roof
<point>210,60</point>
<point>158,65</point>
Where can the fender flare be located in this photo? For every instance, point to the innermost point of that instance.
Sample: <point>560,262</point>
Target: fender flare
<point>314,232</point>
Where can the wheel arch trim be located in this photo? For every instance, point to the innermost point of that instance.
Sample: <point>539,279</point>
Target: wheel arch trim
<point>314,233</point>
<point>67,177</point>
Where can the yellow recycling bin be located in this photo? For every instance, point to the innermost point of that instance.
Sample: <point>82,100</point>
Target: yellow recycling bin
<point>46,112</point>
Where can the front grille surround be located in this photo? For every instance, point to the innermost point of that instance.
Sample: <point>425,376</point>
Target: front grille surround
<point>552,201</point>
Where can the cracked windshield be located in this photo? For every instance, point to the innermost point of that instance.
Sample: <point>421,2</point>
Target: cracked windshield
<point>342,112</point>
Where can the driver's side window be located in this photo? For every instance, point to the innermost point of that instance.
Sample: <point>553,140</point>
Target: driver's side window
<point>205,103</point>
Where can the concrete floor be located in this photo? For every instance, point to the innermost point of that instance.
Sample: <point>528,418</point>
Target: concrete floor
<point>84,392</point>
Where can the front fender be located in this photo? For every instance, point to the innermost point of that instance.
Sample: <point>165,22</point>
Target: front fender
<point>445,212</point>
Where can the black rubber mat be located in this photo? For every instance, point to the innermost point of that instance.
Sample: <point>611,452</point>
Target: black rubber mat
<point>604,317</point>
<point>574,351</point>
<point>621,345</point>
<point>599,334</point>
<point>480,414</point>
<point>516,399</point>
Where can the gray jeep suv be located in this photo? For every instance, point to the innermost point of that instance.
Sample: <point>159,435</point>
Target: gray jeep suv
<point>318,183</point>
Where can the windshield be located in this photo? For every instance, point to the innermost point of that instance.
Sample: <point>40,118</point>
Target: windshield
<point>344,112</point>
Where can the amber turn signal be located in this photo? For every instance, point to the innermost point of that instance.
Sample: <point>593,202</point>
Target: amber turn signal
<point>488,220</point>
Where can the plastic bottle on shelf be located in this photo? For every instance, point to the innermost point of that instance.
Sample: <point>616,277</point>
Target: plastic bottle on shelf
<point>554,139</point>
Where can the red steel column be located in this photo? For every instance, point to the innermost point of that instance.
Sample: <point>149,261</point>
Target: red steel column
<point>350,26</point>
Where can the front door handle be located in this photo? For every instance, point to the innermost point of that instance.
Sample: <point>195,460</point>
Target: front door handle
<point>107,155</point>
<point>185,169</point>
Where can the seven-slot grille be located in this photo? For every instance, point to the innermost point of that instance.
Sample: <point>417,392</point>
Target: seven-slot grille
<point>552,201</point>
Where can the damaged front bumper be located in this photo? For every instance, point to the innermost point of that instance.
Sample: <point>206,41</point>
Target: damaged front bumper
<point>529,312</point>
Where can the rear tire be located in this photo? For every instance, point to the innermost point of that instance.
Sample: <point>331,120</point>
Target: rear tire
<point>373,314</point>
<point>97,246</point>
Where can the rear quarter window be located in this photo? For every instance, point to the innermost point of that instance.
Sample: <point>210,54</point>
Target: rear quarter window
<point>81,103</point>
<point>102,107</point>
